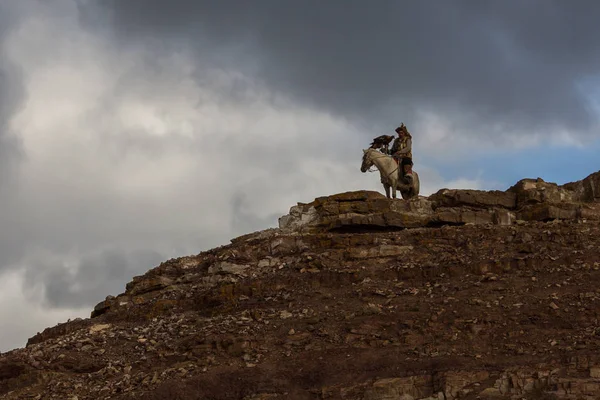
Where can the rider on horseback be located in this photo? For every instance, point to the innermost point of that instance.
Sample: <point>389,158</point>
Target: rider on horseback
<point>402,151</point>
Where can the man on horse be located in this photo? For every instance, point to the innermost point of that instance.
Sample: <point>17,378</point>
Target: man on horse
<point>402,152</point>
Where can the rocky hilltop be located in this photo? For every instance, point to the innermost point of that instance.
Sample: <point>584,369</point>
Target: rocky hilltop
<point>464,294</point>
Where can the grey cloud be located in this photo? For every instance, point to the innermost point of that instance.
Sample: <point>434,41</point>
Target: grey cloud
<point>11,153</point>
<point>96,276</point>
<point>11,97</point>
<point>245,221</point>
<point>513,63</point>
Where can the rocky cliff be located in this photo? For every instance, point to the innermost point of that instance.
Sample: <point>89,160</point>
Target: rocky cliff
<point>462,295</point>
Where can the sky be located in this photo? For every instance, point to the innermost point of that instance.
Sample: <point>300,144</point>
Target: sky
<point>135,131</point>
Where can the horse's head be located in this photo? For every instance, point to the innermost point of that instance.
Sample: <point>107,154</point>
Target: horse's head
<point>367,161</point>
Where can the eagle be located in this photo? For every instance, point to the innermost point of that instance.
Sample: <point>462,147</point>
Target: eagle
<point>381,142</point>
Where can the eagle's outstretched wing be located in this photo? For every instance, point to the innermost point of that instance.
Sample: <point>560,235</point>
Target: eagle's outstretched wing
<point>381,141</point>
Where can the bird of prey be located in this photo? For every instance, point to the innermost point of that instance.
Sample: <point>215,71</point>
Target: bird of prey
<point>382,142</point>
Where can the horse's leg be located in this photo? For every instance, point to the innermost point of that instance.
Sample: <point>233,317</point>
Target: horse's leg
<point>413,190</point>
<point>393,189</point>
<point>387,190</point>
<point>400,187</point>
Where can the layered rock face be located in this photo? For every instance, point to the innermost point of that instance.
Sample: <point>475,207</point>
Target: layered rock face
<point>462,295</point>
<point>528,200</point>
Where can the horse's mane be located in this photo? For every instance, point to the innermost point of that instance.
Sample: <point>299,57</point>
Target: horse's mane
<point>377,151</point>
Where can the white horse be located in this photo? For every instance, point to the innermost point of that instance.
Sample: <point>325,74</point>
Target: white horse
<point>388,169</point>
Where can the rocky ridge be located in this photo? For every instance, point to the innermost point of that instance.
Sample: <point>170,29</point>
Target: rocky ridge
<point>461,295</point>
<point>528,200</point>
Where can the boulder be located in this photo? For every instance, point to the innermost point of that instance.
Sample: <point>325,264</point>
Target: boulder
<point>141,285</point>
<point>590,211</point>
<point>474,198</point>
<point>299,216</point>
<point>545,212</point>
<point>360,196</point>
<point>227,268</point>
<point>101,308</point>
<point>586,190</point>
<point>532,191</point>
<point>99,328</point>
<point>464,216</point>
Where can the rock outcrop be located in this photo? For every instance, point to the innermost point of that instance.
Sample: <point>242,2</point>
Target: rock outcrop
<point>462,295</point>
<point>528,200</point>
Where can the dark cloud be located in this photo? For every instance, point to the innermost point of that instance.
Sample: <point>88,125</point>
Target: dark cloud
<point>11,97</point>
<point>93,277</point>
<point>514,63</point>
<point>11,94</point>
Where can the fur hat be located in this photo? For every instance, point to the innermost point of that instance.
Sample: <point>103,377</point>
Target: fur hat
<point>401,128</point>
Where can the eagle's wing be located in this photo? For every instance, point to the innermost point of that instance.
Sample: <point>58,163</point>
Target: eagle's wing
<point>379,140</point>
<point>387,139</point>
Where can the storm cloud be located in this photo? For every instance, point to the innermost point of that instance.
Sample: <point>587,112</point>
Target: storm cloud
<point>487,67</point>
<point>11,96</point>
